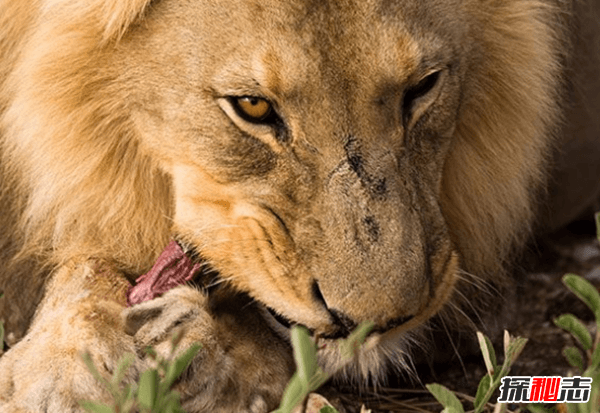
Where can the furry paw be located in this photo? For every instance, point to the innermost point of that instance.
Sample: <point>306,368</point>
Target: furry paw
<point>242,365</point>
<point>81,312</point>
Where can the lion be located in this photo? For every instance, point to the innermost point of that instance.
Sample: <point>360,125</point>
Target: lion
<point>325,162</point>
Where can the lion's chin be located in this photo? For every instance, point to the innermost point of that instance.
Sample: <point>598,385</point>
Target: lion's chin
<point>371,361</point>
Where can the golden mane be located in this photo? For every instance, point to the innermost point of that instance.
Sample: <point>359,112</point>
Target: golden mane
<point>99,202</point>
<point>505,132</point>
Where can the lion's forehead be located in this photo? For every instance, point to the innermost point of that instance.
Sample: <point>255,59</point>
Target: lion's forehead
<point>291,47</point>
<point>300,48</point>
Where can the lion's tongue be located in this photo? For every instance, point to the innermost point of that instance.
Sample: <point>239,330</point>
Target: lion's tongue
<point>172,268</point>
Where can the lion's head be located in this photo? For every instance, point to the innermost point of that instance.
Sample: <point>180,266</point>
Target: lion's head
<point>338,161</point>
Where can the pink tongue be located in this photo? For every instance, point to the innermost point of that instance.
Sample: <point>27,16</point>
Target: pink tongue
<point>172,268</point>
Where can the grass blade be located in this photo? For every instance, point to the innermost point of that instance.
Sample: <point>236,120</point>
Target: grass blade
<point>121,370</point>
<point>294,394</point>
<point>179,365</point>
<point>350,346</point>
<point>305,354</point>
<point>148,388</point>
<point>96,407</point>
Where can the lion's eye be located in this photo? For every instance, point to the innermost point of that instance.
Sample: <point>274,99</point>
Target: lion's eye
<point>416,92</point>
<point>422,88</point>
<point>252,109</point>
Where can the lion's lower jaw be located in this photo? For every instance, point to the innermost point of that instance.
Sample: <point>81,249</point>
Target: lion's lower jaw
<point>378,356</point>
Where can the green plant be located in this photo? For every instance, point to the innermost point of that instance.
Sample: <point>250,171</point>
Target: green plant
<point>152,393</point>
<point>490,382</point>
<point>588,361</point>
<point>309,376</point>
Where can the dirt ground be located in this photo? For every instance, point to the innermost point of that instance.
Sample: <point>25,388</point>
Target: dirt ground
<point>539,297</point>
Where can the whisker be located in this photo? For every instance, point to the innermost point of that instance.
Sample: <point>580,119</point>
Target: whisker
<point>459,311</point>
<point>482,285</point>
<point>220,280</point>
<point>454,347</point>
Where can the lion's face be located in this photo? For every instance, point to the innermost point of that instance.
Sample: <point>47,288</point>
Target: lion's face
<point>307,165</point>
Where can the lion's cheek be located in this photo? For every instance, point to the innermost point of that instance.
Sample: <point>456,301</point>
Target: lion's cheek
<point>245,244</point>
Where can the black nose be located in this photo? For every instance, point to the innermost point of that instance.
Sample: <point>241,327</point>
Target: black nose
<point>345,325</point>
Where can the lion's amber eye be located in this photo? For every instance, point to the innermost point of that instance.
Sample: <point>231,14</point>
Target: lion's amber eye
<point>252,109</point>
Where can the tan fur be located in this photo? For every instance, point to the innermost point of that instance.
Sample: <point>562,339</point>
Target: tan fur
<point>117,134</point>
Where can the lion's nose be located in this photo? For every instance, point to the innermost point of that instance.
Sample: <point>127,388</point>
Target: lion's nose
<point>343,324</point>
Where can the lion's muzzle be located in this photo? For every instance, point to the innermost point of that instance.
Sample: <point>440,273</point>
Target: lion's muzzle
<point>384,261</point>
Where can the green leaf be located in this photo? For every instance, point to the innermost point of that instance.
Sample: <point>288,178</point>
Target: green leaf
<point>176,339</point>
<point>489,355</point>
<point>126,398</point>
<point>574,326</point>
<point>151,352</point>
<point>585,291</point>
<point>595,361</point>
<point>514,350</point>
<point>170,404</point>
<point>309,376</point>
<point>328,409</point>
<point>350,345</point>
<point>317,380</point>
<point>96,407</point>
<point>482,391</point>
<point>593,406</point>
<point>305,354</point>
<point>445,397</point>
<point>129,401</point>
<point>179,365</point>
<point>295,392</point>
<point>148,388</point>
<point>121,370</point>
<point>574,357</point>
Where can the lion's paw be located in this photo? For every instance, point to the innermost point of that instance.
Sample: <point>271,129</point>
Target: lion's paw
<point>242,365</point>
<point>45,371</point>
